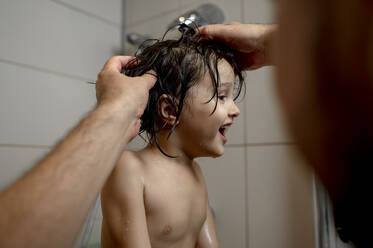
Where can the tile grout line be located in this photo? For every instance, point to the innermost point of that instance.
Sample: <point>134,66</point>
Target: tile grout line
<point>246,170</point>
<point>41,69</point>
<point>87,13</point>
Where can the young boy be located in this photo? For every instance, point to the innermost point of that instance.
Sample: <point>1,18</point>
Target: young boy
<point>157,197</point>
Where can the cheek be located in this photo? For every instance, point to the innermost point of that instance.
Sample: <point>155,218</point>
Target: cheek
<point>198,107</point>
<point>198,118</point>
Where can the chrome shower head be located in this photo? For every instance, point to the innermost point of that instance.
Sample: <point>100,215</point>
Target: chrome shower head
<point>202,15</point>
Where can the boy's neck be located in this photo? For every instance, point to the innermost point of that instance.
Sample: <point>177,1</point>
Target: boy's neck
<point>173,147</point>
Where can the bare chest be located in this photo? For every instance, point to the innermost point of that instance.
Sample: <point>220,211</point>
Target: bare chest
<point>175,203</point>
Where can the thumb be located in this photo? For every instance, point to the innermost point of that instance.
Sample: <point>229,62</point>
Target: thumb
<point>150,77</point>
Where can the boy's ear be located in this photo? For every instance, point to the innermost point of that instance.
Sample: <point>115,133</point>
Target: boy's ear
<point>167,110</point>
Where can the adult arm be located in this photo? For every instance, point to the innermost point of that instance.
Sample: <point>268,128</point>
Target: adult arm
<point>253,42</point>
<point>48,205</point>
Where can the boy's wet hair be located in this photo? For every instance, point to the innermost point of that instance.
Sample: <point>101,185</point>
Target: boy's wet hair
<point>179,64</point>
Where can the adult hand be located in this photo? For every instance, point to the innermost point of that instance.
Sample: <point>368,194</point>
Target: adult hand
<point>252,41</point>
<point>129,94</point>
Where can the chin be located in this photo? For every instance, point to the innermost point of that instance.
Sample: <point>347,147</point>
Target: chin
<point>213,153</point>
<point>217,153</point>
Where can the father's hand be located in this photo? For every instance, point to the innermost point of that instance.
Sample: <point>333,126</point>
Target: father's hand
<point>252,41</point>
<point>129,95</point>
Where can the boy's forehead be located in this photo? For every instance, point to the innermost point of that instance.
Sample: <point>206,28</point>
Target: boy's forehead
<point>225,69</point>
<point>226,75</point>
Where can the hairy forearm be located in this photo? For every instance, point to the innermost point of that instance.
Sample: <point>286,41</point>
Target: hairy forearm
<point>260,40</point>
<point>68,179</point>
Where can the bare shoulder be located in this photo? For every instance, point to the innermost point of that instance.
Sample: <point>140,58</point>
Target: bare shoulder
<point>127,175</point>
<point>122,202</point>
<point>129,162</point>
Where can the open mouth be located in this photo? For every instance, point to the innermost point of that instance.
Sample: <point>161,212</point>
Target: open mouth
<point>222,131</point>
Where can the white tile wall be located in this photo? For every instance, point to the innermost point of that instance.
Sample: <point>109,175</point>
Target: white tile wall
<point>15,161</point>
<point>259,11</point>
<point>45,34</point>
<point>38,108</point>
<point>232,9</point>
<point>264,120</point>
<point>156,27</point>
<point>110,10</point>
<point>143,10</point>
<point>187,3</point>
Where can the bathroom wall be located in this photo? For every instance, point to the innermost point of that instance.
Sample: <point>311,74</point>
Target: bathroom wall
<point>260,189</point>
<point>49,49</point>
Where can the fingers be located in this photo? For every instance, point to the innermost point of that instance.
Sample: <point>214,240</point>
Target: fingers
<point>150,77</point>
<point>216,31</point>
<point>116,63</point>
<point>210,31</point>
<point>134,62</point>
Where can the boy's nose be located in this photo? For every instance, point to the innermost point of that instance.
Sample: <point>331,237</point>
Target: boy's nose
<point>235,111</point>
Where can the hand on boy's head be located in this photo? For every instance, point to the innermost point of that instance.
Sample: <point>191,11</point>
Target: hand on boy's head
<point>128,93</point>
<point>249,40</point>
